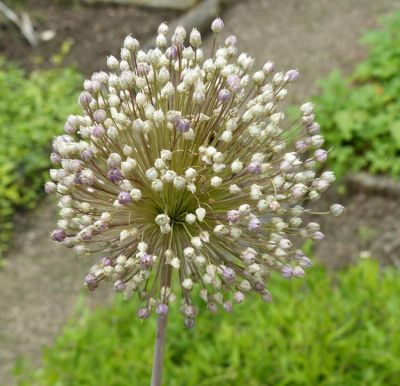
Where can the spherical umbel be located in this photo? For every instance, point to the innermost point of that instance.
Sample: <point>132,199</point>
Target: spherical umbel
<point>181,173</point>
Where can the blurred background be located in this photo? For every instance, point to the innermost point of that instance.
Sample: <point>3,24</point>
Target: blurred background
<point>338,326</point>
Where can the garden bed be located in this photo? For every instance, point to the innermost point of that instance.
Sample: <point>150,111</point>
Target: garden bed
<point>87,33</point>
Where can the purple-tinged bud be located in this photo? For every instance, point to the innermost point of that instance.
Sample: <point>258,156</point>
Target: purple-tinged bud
<point>314,128</point>
<point>69,129</point>
<point>58,235</point>
<point>143,312</point>
<point>268,68</point>
<point>98,131</point>
<point>298,272</point>
<point>143,69</point>
<point>85,234</point>
<point>114,175</point>
<point>146,261</point>
<point>224,95</point>
<point>91,282</point>
<point>96,86</point>
<point>162,310</point>
<point>78,179</point>
<point>287,271</point>
<point>266,296</point>
<point>217,25</point>
<point>189,323</point>
<point>317,140</point>
<point>119,286</point>
<point>254,167</point>
<point>88,85</point>
<point>254,224</point>
<point>233,216</point>
<point>318,236</point>
<point>292,75</point>
<point>86,155</point>
<point>114,161</point>
<point>301,146</point>
<point>227,306</point>
<point>248,256</point>
<point>212,307</point>
<point>55,159</point>
<point>238,297</point>
<point>305,262</point>
<point>100,225</point>
<point>189,310</point>
<point>321,155</point>
<point>171,53</point>
<point>99,116</point>
<point>308,119</point>
<point>85,98</point>
<point>124,198</point>
<point>50,187</point>
<point>76,165</point>
<point>298,254</point>
<point>337,209</point>
<point>233,83</point>
<point>182,125</point>
<point>106,261</point>
<point>228,274</point>
<point>299,190</point>
<point>259,286</point>
<point>231,40</point>
<point>321,185</point>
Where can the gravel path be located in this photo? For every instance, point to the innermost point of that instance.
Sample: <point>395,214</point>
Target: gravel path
<point>40,284</point>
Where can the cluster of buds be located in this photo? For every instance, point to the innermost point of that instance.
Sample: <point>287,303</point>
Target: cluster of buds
<point>181,172</point>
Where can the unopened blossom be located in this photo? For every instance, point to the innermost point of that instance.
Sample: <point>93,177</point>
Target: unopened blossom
<point>182,173</point>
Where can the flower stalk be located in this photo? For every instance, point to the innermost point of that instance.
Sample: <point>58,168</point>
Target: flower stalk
<point>159,349</point>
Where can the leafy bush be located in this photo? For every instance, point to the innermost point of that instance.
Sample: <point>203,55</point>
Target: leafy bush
<point>32,110</point>
<point>360,115</point>
<point>322,330</point>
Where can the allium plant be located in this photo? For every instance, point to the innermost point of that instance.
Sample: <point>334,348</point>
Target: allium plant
<point>183,177</point>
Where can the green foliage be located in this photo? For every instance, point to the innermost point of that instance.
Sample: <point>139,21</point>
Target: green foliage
<point>321,330</point>
<point>360,115</point>
<point>32,110</point>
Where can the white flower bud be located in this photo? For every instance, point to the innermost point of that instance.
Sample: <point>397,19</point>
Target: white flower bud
<point>190,218</point>
<point>195,38</point>
<point>187,284</point>
<point>136,194</point>
<point>196,242</point>
<point>190,174</point>
<point>216,181</point>
<point>236,166</point>
<point>175,262</point>
<point>226,136</point>
<point>188,252</point>
<point>157,185</point>
<point>112,63</point>
<point>128,166</point>
<point>151,174</point>
<point>200,214</point>
<point>337,209</point>
<point>234,189</point>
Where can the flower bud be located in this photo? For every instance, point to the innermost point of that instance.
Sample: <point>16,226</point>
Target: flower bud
<point>217,25</point>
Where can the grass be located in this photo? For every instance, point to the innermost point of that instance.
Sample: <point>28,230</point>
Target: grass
<point>33,109</point>
<point>339,330</point>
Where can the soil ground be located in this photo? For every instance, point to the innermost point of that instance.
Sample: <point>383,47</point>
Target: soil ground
<point>41,282</point>
<point>92,32</point>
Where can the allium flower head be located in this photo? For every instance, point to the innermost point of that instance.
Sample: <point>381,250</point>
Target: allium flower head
<point>182,173</point>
